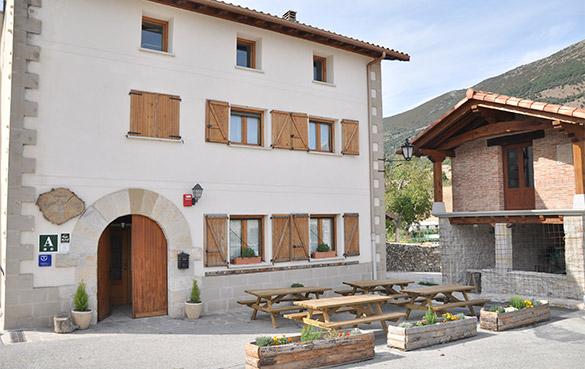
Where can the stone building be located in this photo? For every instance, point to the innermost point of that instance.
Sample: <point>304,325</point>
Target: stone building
<point>518,194</point>
<point>134,132</point>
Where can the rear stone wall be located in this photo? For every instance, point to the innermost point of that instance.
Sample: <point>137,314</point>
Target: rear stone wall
<point>406,257</point>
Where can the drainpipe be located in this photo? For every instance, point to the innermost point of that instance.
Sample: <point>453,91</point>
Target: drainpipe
<point>371,164</point>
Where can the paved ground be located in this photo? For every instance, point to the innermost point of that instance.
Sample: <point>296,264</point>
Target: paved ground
<point>217,342</point>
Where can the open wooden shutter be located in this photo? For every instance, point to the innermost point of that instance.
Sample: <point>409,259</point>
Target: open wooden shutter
<point>281,129</point>
<point>281,238</point>
<point>216,121</point>
<point>167,116</point>
<point>300,236</point>
<point>350,137</point>
<point>351,234</point>
<point>154,115</point>
<point>216,245</point>
<point>299,131</point>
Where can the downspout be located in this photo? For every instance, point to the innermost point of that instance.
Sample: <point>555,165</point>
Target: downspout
<point>371,164</point>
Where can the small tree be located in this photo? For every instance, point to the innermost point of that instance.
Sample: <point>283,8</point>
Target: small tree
<point>195,294</point>
<point>409,187</point>
<point>80,299</point>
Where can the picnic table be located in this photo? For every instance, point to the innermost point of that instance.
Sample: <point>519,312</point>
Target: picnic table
<point>265,299</point>
<point>367,308</point>
<point>389,287</point>
<point>421,298</point>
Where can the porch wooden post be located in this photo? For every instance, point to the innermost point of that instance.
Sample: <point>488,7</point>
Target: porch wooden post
<point>437,176</point>
<point>578,159</point>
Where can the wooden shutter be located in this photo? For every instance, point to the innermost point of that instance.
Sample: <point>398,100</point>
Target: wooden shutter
<point>350,134</point>
<point>217,118</point>
<point>300,236</point>
<point>154,115</point>
<point>281,238</point>
<point>281,129</point>
<point>216,245</point>
<point>351,234</point>
<point>299,131</point>
<point>167,116</point>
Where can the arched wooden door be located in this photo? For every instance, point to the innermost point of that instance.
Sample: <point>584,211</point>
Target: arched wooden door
<point>104,306</point>
<point>149,268</point>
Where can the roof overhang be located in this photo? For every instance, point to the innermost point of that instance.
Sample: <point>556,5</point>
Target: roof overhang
<point>270,22</point>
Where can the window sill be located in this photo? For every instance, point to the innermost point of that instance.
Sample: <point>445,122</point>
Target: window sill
<point>249,69</point>
<point>165,53</point>
<point>323,153</point>
<point>244,146</point>
<point>269,267</point>
<point>328,84</point>
<point>172,140</point>
<point>249,266</point>
<point>325,260</point>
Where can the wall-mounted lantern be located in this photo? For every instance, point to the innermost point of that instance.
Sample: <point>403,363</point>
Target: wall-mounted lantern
<point>183,260</point>
<point>197,192</point>
<point>407,150</point>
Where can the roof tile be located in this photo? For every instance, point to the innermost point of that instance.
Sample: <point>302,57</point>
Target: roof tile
<point>552,108</point>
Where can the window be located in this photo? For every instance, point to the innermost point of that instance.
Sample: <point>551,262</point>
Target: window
<point>155,34</point>
<point>319,69</point>
<point>154,115</point>
<point>245,232</point>
<point>321,231</point>
<point>320,136</point>
<point>246,127</point>
<point>246,53</point>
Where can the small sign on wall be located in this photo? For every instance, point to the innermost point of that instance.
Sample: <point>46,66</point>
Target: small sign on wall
<point>65,237</point>
<point>45,260</point>
<point>48,243</point>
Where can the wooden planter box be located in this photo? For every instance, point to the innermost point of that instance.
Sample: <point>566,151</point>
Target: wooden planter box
<point>417,337</point>
<point>315,354</point>
<point>323,254</point>
<point>501,321</point>
<point>244,261</point>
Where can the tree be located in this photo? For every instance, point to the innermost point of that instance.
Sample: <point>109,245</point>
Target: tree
<point>409,187</point>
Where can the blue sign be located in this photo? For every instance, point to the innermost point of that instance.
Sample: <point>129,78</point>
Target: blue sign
<point>45,260</point>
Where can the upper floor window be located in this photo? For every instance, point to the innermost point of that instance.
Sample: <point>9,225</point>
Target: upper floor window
<point>155,34</point>
<point>319,69</point>
<point>246,53</point>
<point>246,127</point>
<point>320,136</point>
<point>154,115</point>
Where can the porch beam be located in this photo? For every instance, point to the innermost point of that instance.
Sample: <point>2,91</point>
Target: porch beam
<point>578,163</point>
<point>437,160</point>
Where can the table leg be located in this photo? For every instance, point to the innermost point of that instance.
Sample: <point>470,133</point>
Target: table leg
<point>255,308</point>
<point>383,322</point>
<point>466,298</point>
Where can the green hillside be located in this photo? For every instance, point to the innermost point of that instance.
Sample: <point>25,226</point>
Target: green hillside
<point>558,79</point>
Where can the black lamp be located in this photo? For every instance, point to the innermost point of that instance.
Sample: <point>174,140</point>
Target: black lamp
<point>197,192</point>
<point>407,150</point>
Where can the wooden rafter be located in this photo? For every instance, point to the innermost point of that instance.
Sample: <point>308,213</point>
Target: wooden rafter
<point>516,219</point>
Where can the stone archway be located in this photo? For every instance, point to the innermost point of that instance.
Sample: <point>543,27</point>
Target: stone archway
<point>88,229</point>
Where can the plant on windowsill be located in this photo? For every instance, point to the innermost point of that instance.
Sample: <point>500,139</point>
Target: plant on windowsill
<point>81,313</point>
<point>194,305</point>
<point>323,251</point>
<point>248,257</point>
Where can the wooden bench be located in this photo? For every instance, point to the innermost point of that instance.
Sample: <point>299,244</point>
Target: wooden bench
<point>302,314</point>
<point>247,302</point>
<point>357,321</point>
<point>449,305</point>
<point>344,292</point>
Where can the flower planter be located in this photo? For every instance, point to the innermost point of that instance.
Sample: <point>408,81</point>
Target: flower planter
<point>417,337</point>
<point>314,354</point>
<point>323,254</point>
<point>193,310</point>
<point>81,318</point>
<point>494,321</point>
<point>245,261</point>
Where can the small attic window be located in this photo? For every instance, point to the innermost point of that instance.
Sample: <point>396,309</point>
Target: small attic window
<point>246,53</point>
<point>319,69</point>
<point>155,34</point>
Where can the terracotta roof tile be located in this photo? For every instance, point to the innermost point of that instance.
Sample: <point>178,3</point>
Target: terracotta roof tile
<point>552,108</point>
<point>579,113</point>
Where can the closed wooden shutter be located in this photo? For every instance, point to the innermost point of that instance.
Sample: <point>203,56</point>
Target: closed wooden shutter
<point>300,131</point>
<point>216,244</point>
<point>300,236</point>
<point>350,137</point>
<point>154,115</point>
<point>351,234</point>
<point>217,118</point>
<point>281,129</point>
<point>281,238</point>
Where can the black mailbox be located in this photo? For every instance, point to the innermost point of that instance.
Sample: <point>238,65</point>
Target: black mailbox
<point>183,260</point>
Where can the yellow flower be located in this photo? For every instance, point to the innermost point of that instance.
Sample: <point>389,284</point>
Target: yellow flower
<point>528,304</point>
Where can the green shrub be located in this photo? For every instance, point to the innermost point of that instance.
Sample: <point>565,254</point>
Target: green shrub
<point>195,297</point>
<point>81,300</point>
<point>248,253</point>
<point>323,247</point>
<point>430,316</point>
<point>496,309</point>
<point>310,333</point>
<point>517,302</point>
<point>263,341</point>
<point>296,284</point>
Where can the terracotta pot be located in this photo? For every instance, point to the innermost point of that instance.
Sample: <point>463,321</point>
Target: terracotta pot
<point>323,254</point>
<point>250,260</point>
<point>193,310</point>
<point>81,318</point>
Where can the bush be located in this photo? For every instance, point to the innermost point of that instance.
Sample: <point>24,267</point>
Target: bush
<point>517,302</point>
<point>323,247</point>
<point>81,300</point>
<point>296,284</point>
<point>263,341</point>
<point>195,294</point>
<point>430,316</point>
<point>309,333</point>
<point>248,253</point>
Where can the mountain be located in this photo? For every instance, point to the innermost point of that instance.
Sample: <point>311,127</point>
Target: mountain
<point>557,79</point>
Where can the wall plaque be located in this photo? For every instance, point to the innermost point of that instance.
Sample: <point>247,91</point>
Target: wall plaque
<point>59,205</point>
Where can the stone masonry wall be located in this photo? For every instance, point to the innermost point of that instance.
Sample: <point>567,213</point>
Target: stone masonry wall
<point>405,257</point>
<point>477,177</point>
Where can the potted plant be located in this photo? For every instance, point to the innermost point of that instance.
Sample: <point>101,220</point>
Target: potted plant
<point>81,314</point>
<point>516,313</point>
<point>323,251</point>
<point>194,306</point>
<point>248,257</point>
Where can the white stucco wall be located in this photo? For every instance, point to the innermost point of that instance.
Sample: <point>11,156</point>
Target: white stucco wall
<point>90,60</point>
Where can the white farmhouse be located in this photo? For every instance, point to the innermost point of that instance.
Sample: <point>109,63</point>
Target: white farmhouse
<point>149,143</point>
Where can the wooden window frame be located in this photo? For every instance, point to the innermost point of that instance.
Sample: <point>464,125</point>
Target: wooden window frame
<point>244,110</point>
<point>165,27</point>
<point>323,62</point>
<point>318,122</point>
<point>252,52</point>
<point>243,219</point>
<point>319,217</point>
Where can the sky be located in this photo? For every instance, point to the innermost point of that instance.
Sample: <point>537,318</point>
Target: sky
<point>452,44</point>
